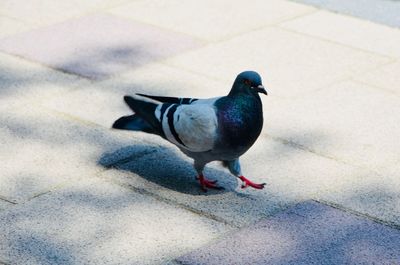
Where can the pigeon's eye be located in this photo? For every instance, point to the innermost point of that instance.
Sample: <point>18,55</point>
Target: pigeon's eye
<point>247,82</point>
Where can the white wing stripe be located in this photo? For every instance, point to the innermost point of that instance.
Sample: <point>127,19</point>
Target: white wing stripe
<point>166,125</point>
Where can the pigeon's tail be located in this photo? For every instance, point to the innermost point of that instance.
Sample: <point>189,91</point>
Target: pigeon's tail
<point>132,123</point>
<point>143,119</point>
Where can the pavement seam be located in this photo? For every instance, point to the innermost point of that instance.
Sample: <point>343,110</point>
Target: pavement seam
<point>261,27</point>
<point>128,159</point>
<point>70,117</point>
<point>196,38</point>
<point>345,12</point>
<point>317,37</point>
<point>281,140</point>
<point>109,13</point>
<point>359,214</point>
<point>305,148</point>
<point>8,200</point>
<point>385,90</point>
<point>86,12</point>
<point>347,78</point>
<point>238,229</point>
<point>20,57</point>
<point>171,202</point>
<point>230,36</point>
<point>391,60</point>
<point>191,209</point>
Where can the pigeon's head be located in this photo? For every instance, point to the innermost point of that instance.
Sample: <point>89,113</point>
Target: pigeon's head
<point>248,81</point>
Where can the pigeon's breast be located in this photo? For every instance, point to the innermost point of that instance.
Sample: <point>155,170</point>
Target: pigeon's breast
<point>240,122</point>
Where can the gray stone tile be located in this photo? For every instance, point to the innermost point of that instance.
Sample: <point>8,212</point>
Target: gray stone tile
<point>291,64</point>
<point>211,20</point>
<point>348,121</point>
<point>382,11</point>
<point>40,12</point>
<point>41,150</point>
<point>45,12</point>
<point>25,83</point>
<point>5,204</point>
<point>97,46</point>
<point>386,77</point>
<point>95,222</point>
<point>309,233</point>
<point>349,31</point>
<point>102,102</point>
<point>292,175</point>
<point>376,195</point>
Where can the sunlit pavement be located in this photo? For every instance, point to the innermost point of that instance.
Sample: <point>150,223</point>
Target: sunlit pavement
<point>73,191</point>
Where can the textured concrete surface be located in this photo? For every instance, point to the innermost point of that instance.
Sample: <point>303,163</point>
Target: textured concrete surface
<point>274,52</point>
<point>38,154</point>
<point>385,77</point>
<point>152,79</point>
<point>24,83</point>
<point>321,122</point>
<point>375,195</point>
<point>380,11</point>
<point>74,191</point>
<point>97,46</point>
<point>309,233</point>
<point>95,222</point>
<point>46,12</point>
<point>291,176</point>
<point>222,18</point>
<point>350,31</point>
<point>5,204</point>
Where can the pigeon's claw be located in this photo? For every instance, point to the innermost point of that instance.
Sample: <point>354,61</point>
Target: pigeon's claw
<point>247,183</point>
<point>205,183</point>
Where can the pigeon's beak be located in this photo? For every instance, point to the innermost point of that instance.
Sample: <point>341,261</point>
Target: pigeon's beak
<point>261,89</point>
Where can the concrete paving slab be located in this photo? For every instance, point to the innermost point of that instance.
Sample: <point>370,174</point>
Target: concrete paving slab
<point>212,20</point>
<point>348,121</point>
<point>45,12</point>
<point>386,77</point>
<point>97,46</point>
<point>295,173</point>
<point>5,204</point>
<point>350,31</point>
<point>25,83</point>
<point>273,52</point>
<point>292,175</point>
<point>41,150</point>
<point>309,233</point>
<point>102,102</point>
<point>39,12</point>
<point>381,11</point>
<point>95,222</point>
<point>375,195</point>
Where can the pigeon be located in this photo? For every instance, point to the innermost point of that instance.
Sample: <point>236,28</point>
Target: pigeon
<point>206,130</point>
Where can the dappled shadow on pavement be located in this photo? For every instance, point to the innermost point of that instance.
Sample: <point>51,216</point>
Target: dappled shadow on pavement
<point>166,167</point>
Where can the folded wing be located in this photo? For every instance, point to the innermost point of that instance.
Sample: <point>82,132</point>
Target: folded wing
<point>192,127</point>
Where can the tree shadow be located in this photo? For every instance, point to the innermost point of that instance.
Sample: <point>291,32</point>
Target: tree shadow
<point>101,63</point>
<point>160,165</point>
<point>168,168</point>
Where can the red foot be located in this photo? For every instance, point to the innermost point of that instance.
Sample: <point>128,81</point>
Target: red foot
<point>247,183</point>
<point>205,183</point>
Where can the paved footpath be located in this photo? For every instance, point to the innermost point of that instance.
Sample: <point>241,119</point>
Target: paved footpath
<point>73,191</point>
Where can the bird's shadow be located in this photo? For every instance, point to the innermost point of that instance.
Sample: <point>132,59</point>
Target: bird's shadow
<point>167,168</point>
